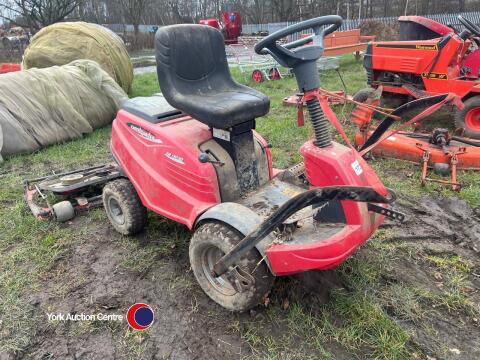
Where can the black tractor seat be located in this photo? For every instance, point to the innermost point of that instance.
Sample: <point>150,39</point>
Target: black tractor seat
<point>194,77</point>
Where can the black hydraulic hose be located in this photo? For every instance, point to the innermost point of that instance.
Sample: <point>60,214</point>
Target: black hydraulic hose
<point>441,44</point>
<point>320,123</point>
<point>455,138</point>
<point>466,141</point>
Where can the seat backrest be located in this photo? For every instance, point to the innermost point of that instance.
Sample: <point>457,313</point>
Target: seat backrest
<point>190,60</point>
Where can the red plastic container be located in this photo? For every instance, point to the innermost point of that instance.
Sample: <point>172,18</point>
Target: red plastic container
<point>6,68</point>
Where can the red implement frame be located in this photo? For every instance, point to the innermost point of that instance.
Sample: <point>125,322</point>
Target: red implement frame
<point>417,148</point>
<point>339,99</point>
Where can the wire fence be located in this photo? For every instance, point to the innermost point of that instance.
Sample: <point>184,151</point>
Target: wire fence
<point>451,19</point>
<point>347,24</point>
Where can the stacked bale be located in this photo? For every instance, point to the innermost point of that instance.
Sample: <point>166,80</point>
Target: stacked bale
<point>62,43</point>
<point>39,107</point>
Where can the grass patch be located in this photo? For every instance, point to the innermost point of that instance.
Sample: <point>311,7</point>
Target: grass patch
<point>163,238</point>
<point>28,249</point>
<point>454,272</point>
<point>451,263</point>
<point>134,343</point>
<point>353,322</point>
<point>365,325</point>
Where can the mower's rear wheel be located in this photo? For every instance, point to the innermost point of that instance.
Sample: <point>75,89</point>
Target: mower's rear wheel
<point>123,207</point>
<point>469,118</point>
<point>209,243</point>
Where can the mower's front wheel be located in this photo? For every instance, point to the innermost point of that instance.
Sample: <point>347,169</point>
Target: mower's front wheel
<point>209,243</point>
<point>123,207</point>
<point>468,119</point>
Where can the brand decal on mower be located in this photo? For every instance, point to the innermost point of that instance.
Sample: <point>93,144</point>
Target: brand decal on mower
<point>409,46</point>
<point>144,133</point>
<point>357,167</point>
<point>436,76</point>
<point>426,47</point>
<point>176,158</point>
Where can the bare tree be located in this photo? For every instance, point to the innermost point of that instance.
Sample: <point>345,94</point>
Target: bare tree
<point>36,14</point>
<point>133,12</point>
<point>92,11</point>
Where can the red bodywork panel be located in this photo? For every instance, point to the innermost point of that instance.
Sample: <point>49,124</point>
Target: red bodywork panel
<point>161,160</point>
<point>334,165</point>
<point>472,64</point>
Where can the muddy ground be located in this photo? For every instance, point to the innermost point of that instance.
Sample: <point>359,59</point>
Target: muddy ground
<point>101,271</point>
<point>438,230</point>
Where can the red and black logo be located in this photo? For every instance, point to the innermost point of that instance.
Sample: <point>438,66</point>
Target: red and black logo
<point>140,316</point>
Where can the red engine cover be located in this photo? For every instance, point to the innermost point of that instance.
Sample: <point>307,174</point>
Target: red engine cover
<point>161,160</point>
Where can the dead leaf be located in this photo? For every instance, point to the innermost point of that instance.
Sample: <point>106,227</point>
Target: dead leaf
<point>467,290</point>
<point>285,304</point>
<point>455,351</point>
<point>438,276</point>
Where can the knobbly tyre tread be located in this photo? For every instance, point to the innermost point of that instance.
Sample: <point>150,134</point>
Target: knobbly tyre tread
<point>134,211</point>
<point>225,237</point>
<point>473,102</point>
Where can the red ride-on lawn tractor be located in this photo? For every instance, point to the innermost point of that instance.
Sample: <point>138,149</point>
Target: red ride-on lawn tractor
<point>430,59</point>
<point>197,160</point>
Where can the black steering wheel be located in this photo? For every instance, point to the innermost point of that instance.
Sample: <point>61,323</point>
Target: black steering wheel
<point>474,29</point>
<point>284,53</point>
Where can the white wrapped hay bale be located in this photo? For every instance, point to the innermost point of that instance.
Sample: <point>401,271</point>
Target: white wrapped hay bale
<point>40,107</point>
<point>64,42</point>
